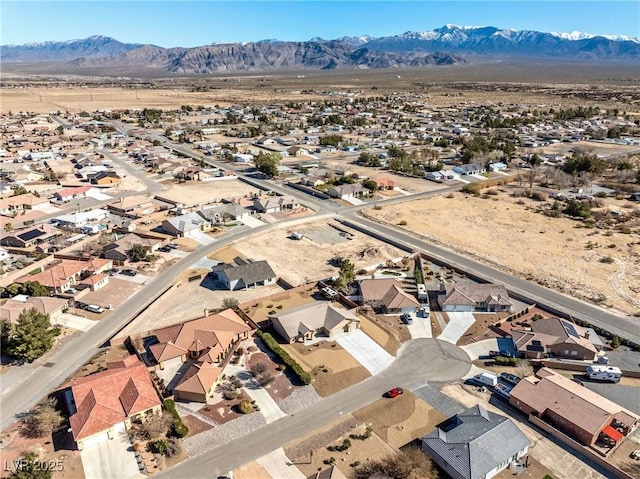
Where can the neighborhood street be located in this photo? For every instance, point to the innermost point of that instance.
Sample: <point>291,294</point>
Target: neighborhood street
<point>418,361</point>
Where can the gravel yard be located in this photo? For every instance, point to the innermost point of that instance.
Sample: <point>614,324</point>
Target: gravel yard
<point>299,399</point>
<point>217,436</point>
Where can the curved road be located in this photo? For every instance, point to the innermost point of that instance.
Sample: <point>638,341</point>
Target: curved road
<point>418,361</point>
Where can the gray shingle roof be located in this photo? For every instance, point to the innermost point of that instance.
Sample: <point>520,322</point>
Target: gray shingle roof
<point>249,273</point>
<point>475,441</point>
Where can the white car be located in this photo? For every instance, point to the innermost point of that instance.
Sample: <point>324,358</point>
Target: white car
<point>94,308</point>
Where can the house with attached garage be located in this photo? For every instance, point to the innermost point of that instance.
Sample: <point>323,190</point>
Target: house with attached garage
<point>118,249</point>
<point>320,319</point>
<point>469,296</point>
<point>70,194</point>
<point>12,308</point>
<point>15,205</point>
<point>387,294</point>
<point>475,444</point>
<point>28,237</point>
<point>273,204</point>
<point>243,273</point>
<point>185,225</point>
<point>224,212</point>
<point>555,336</point>
<point>109,402</point>
<point>104,178</point>
<point>205,342</point>
<point>575,410</point>
<point>346,191</point>
<point>470,169</point>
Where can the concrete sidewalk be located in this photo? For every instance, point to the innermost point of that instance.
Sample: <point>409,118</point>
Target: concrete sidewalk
<point>279,466</point>
<point>459,322</point>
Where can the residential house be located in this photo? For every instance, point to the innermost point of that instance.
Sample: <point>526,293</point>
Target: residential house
<point>387,294</point>
<point>104,178</point>
<point>319,319</point>
<point>133,206</point>
<point>207,342</point>
<point>108,402</point>
<point>469,296</point>
<point>59,276</point>
<point>82,218</point>
<point>386,184</point>
<point>572,408</point>
<point>15,205</point>
<point>312,181</point>
<point>224,212</point>
<point>498,166</point>
<point>475,444</point>
<point>346,191</point>
<point>70,194</point>
<point>554,336</point>
<point>118,249</point>
<point>244,274</point>
<point>12,308</point>
<point>28,237</point>
<point>470,169</point>
<point>273,204</point>
<point>185,225</point>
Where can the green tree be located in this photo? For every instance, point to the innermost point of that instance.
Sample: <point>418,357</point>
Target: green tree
<point>347,274</point>
<point>31,336</point>
<point>230,303</point>
<point>29,467</point>
<point>138,252</point>
<point>370,185</point>
<point>583,161</point>
<point>5,333</point>
<point>267,163</point>
<point>19,190</point>
<point>331,140</point>
<point>615,342</point>
<point>578,209</point>
<point>33,288</point>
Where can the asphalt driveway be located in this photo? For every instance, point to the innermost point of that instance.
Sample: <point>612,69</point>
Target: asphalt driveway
<point>366,351</point>
<point>111,459</point>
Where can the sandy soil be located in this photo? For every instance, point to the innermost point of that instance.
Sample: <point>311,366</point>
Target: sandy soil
<point>331,367</point>
<point>306,260</point>
<point>515,238</point>
<point>283,300</point>
<point>400,420</point>
<point>198,192</point>
<point>253,470</point>
<point>378,331</point>
<point>371,448</point>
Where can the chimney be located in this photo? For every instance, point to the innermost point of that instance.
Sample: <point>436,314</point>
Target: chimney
<point>586,335</point>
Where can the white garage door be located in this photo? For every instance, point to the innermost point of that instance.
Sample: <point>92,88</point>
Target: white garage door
<point>95,439</point>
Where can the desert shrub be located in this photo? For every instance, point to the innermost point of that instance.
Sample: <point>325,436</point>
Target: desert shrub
<point>607,259</point>
<point>504,361</point>
<point>615,342</point>
<point>265,379</point>
<point>403,223</point>
<point>245,407</point>
<point>258,368</point>
<point>154,426</point>
<point>472,188</point>
<point>409,464</point>
<point>230,395</point>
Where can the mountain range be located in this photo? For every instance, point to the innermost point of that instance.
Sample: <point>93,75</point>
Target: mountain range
<point>447,45</point>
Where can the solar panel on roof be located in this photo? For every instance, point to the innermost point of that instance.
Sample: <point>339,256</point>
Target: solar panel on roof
<point>570,329</point>
<point>31,234</point>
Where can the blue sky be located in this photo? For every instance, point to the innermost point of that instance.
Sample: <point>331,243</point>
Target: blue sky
<point>193,23</point>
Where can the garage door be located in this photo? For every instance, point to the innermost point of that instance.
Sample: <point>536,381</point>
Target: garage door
<point>95,439</point>
<point>174,363</point>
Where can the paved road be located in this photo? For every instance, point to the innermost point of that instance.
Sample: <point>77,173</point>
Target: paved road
<point>151,185</point>
<point>627,327</point>
<point>418,361</point>
<point>47,374</point>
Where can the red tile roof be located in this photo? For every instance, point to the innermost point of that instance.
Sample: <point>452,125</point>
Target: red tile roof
<point>109,397</point>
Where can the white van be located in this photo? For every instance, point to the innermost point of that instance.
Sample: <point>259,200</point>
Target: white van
<point>486,379</point>
<point>94,308</point>
<point>604,373</point>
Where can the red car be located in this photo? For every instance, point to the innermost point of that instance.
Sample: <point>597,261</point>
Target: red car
<point>395,392</point>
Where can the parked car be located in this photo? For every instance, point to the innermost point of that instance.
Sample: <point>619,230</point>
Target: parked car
<point>172,245</point>
<point>165,249</point>
<point>113,271</point>
<point>94,308</point>
<point>129,272</point>
<point>80,305</point>
<point>406,318</point>
<point>510,378</point>
<point>70,291</point>
<point>392,393</point>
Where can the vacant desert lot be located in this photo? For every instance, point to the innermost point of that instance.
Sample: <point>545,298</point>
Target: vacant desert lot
<point>513,237</point>
<point>199,193</point>
<point>307,260</point>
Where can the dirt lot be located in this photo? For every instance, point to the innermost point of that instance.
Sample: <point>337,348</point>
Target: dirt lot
<point>253,470</point>
<point>332,368</point>
<point>116,292</point>
<point>400,420</point>
<point>332,435</point>
<point>307,260</point>
<point>199,193</point>
<point>552,251</point>
<point>384,332</point>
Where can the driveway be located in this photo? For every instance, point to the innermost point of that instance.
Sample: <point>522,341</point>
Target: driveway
<point>73,321</point>
<point>251,222</point>
<point>420,328</point>
<point>278,465</point>
<point>268,407</point>
<point>111,459</point>
<point>458,324</point>
<point>201,237</point>
<point>481,348</point>
<point>366,351</point>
